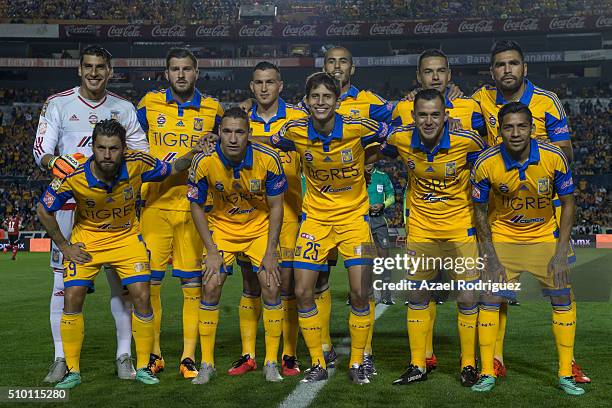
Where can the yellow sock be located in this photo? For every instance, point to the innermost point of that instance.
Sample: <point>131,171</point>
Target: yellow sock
<point>310,324</point>
<point>249,312</point>
<point>323,301</point>
<point>290,326</point>
<point>191,306</point>
<point>488,322</point>
<point>432,323</point>
<point>144,334</point>
<point>273,326</point>
<point>208,319</point>
<point>359,326</point>
<point>418,323</point>
<point>564,330</point>
<point>501,332</point>
<point>72,329</point>
<point>157,315</point>
<point>467,319</point>
<point>368,344</point>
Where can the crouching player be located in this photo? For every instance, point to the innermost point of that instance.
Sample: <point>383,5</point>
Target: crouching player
<point>106,232</point>
<point>523,175</point>
<point>246,182</point>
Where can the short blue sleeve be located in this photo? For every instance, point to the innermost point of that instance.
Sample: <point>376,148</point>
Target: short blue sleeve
<point>557,129</point>
<point>381,113</point>
<point>141,114</point>
<point>275,183</point>
<point>564,183</point>
<point>53,201</point>
<point>197,192</point>
<point>159,172</point>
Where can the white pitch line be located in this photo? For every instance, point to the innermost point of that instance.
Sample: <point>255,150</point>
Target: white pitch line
<point>305,393</point>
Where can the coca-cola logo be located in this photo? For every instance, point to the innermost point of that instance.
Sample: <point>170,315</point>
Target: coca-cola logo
<point>264,30</point>
<point>213,31</point>
<point>567,23</point>
<point>603,21</point>
<point>482,26</point>
<point>345,30</point>
<point>174,31</point>
<point>124,31</point>
<point>390,29</point>
<point>307,30</point>
<point>73,30</point>
<point>439,27</point>
<point>527,24</point>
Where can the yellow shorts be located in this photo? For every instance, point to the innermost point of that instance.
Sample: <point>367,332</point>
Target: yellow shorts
<point>249,250</point>
<point>172,233</point>
<point>288,236</point>
<point>458,257</point>
<point>130,259</point>
<point>533,258</point>
<point>315,241</point>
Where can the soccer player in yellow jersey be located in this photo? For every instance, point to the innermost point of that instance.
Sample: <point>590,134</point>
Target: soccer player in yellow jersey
<point>267,116</point>
<point>174,120</point>
<point>509,71</point>
<point>523,175</point>
<point>440,223</point>
<point>246,182</point>
<point>335,212</point>
<point>434,72</point>
<point>105,232</point>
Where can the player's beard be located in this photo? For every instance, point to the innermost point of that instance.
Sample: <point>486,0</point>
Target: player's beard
<point>514,88</point>
<point>184,95</point>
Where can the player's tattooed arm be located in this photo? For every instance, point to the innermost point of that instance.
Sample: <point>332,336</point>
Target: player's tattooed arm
<point>270,260</point>
<point>494,270</point>
<point>184,162</point>
<point>75,252</point>
<point>558,265</point>
<point>214,260</point>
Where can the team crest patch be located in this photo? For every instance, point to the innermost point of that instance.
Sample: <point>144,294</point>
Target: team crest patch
<point>90,202</point>
<point>141,267</point>
<point>504,188</point>
<point>128,193</point>
<point>219,186</point>
<point>450,169</point>
<point>254,185</point>
<point>93,119</point>
<point>49,199</point>
<point>355,113</point>
<point>198,124</point>
<point>298,251</point>
<point>56,184</point>
<point>492,120</point>
<point>115,115</point>
<point>308,155</point>
<point>161,120</point>
<point>347,155</point>
<point>56,255</point>
<point>543,186</point>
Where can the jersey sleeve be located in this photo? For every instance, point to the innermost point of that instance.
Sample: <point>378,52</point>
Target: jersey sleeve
<point>478,122</point>
<point>481,186</point>
<point>282,139</point>
<point>154,169</point>
<point>218,117</point>
<point>276,181</point>
<point>141,114</point>
<point>374,132</point>
<point>136,138</point>
<point>56,194</point>
<point>47,133</point>
<point>556,120</point>
<point>476,147</point>
<point>389,147</point>
<point>197,183</point>
<point>563,181</point>
<point>380,109</point>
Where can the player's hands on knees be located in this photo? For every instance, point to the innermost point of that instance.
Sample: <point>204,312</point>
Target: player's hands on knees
<point>76,253</point>
<point>269,264</point>
<point>559,269</point>
<point>212,267</point>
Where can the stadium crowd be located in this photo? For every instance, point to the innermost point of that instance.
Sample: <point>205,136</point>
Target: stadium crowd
<point>591,125</point>
<point>226,11</point>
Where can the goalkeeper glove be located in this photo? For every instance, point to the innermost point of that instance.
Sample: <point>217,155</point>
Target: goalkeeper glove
<point>66,164</point>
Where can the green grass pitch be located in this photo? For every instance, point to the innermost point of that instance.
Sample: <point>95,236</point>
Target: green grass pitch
<point>529,349</point>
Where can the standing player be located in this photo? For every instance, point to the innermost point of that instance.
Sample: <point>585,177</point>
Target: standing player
<point>64,136</point>
<point>434,72</point>
<point>13,224</point>
<point>509,71</point>
<point>174,120</point>
<point>518,172</point>
<point>440,222</point>
<point>246,182</point>
<point>106,232</point>
<point>335,214</point>
<point>381,195</point>
<point>267,116</point>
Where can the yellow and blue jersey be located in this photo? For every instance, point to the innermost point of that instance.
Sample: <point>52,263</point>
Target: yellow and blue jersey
<point>105,214</point>
<point>549,116</point>
<point>438,181</point>
<point>238,190</point>
<point>290,160</point>
<point>522,193</point>
<point>333,165</point>
<point>173,129</point>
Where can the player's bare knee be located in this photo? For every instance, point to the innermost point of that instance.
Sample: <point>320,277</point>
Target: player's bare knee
<point>271,294</point>
<point>74,297</point>
<point>304,296</point>
<point>360,297</point>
